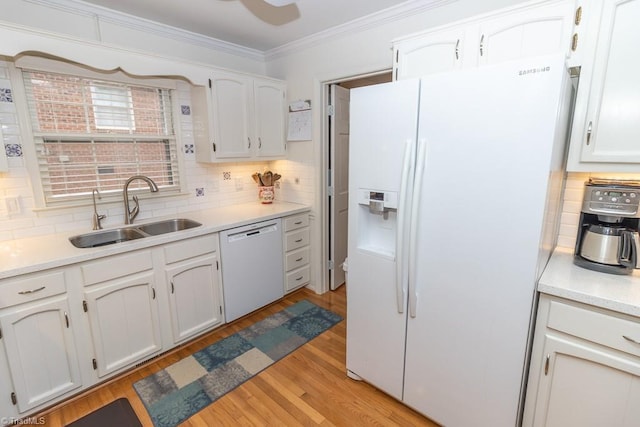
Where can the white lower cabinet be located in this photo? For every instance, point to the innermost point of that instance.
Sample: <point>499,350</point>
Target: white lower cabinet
<point>38,342</point>
<point>194,286</point>
<point>66,329</point>
<point>585,368</point>
<point>296,251</point>
<point>122,308</point>
<point>41,352</point>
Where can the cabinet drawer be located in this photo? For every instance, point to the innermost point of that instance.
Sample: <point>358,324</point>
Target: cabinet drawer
<point>296,239</point>
<point>31,287</point>
<point>297,278</point>
<point>296,221</point>
<point>116,266</point>
<point>297,259</point>
<point>600,328</point>
<point>190,248</point>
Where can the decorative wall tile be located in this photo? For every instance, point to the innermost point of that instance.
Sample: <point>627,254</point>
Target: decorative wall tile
<point>226,176</point>
<point>13,150</point>
<point>5,95</point>
<point>188,148</point>
<point>199,192</point>
<point>186,110</point>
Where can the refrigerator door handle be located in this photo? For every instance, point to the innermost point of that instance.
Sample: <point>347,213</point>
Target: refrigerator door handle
<point>415,215</point>
<point>403,209</point>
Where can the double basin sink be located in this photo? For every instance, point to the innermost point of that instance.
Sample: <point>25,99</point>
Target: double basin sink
<point>117,235</point>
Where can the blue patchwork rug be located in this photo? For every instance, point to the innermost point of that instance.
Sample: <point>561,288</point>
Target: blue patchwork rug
<point>184,388</point>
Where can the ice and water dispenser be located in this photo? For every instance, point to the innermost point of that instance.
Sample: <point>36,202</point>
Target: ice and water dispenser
<point>377,222</point>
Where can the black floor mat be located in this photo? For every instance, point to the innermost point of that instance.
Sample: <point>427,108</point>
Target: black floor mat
<point>117,413</point>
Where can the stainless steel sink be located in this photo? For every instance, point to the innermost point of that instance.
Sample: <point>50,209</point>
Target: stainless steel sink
<point>118,235</point>
<point>168,226</point>
<point>107,237</point>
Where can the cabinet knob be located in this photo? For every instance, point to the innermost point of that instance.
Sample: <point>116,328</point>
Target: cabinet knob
<point>546,364</point>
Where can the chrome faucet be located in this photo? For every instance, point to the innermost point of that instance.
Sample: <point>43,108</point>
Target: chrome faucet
<point>129,215</point>
<point>95,219</point>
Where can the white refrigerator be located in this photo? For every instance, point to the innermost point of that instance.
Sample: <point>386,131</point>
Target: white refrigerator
<point>455,190</point>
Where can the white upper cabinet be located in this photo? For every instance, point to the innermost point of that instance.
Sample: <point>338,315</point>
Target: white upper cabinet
<point>231,95</point>
<point>239,118</point>
<point>269,119</point>
<point>606,135</point>
<point>436,52</point>
<point>518,32</point>
<point>533,31</point>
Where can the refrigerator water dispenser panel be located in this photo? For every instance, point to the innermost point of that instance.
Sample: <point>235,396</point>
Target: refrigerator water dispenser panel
<point>379,202</point>
<point>377,224</point>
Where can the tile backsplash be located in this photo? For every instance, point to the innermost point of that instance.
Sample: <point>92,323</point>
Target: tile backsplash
<point>207,185</point>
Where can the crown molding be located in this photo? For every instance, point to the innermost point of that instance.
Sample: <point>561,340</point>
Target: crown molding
<point>373,20</point>
<point>102,14</point>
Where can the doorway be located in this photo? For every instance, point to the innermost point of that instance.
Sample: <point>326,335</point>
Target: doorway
<point>336,171</point>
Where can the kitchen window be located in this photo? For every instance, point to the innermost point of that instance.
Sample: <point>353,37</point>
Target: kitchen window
<point>91,133</point>
<point>112,107</point>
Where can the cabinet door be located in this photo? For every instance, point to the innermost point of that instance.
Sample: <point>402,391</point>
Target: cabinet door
<point>41,352</point>
<point>586,385</point>
<point>123,316</point>
<point>534,31</point>
<point>435,52</point>
<point>194,296</point>
<point>269,119</point>
<point>231,96</point>
<point>7,408</point>
<point>612,127</point>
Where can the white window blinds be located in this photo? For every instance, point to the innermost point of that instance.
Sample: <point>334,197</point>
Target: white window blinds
<point>96,134</point>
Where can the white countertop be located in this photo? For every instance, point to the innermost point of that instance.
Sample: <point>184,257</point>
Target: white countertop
<point>564,279</point>
<point>22,256</point>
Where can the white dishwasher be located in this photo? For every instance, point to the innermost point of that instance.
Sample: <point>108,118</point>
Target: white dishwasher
<point>252,270</point>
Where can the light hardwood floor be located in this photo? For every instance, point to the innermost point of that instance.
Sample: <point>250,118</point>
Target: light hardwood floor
<point>308,387</point>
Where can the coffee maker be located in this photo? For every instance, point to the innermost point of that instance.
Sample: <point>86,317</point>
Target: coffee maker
<point>608,236</point>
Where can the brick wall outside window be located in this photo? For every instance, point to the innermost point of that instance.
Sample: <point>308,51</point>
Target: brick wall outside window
<point>79,154</point>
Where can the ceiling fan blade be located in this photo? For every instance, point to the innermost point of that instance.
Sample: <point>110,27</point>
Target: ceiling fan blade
<point>279,3</point>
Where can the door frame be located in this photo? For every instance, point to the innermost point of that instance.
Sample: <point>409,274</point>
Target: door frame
<point>325,249</point>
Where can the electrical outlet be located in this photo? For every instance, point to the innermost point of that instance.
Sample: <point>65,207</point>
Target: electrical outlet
<point>13,205</point>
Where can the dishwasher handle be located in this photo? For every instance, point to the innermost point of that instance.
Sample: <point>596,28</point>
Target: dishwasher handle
<point>248,234</point>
